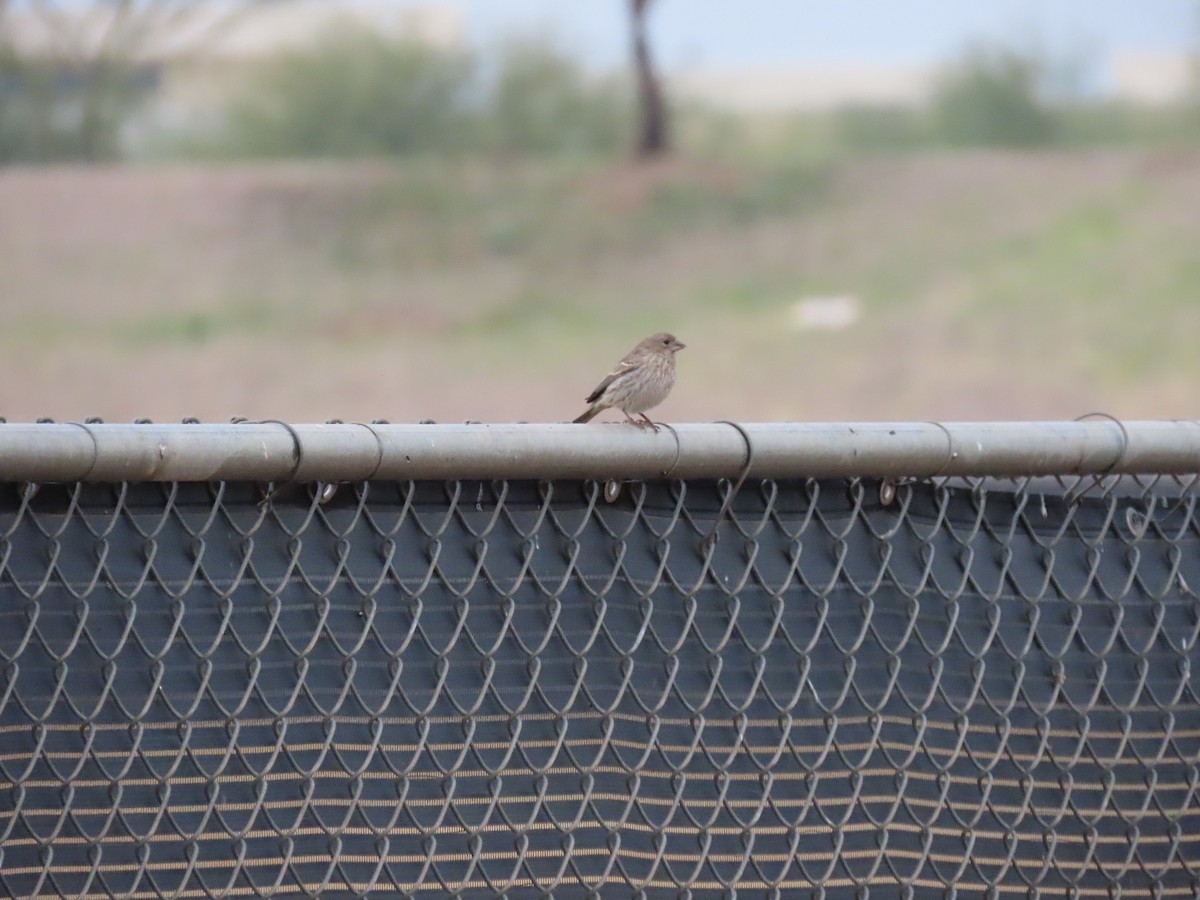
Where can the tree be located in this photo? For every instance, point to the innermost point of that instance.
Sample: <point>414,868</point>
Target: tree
<point>653,138</point>
<point>80,70</point>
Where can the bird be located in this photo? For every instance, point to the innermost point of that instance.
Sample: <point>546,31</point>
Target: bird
<point>640,381</point>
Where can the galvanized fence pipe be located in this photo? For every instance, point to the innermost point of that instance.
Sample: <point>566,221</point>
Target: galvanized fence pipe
<point>353,452</point>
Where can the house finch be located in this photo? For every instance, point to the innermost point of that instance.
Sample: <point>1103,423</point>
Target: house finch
<point>641,380</point>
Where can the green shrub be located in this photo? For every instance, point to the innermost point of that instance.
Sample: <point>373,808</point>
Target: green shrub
<point>357,93</point>
<point>1129,124</point>
<point>881,128</point>
<point>543,103</point>
<point>993,96</point>
<point>353,93</point>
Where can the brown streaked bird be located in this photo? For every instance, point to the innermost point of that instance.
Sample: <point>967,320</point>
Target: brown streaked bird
<point>641,380</point>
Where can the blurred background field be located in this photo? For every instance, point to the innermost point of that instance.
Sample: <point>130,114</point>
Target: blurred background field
<point>382,216</point>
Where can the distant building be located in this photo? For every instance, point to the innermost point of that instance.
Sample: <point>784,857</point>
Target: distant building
<point>1153,78</point>
<point>1148,78</point>
<point>294,23</point>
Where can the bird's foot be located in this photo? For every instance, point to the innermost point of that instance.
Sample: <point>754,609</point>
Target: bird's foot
<point>647,422</point>
<point>643,421</point>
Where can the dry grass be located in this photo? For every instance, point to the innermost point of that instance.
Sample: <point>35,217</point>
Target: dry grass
<point>994,286</point>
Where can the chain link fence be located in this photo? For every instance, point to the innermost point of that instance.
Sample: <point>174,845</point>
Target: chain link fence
<point>769,686</point>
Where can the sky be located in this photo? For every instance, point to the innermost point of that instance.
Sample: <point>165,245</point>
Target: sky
<point>730,33</point>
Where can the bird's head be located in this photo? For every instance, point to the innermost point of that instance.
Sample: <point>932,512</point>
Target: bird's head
<point>663,342</point>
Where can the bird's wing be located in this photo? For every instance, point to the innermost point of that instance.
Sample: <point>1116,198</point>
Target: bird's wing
<point>623,366</point>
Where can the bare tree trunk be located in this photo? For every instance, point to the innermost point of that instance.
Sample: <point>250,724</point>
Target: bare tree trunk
<point>652,139</point>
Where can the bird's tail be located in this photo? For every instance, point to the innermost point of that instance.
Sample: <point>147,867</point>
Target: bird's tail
<point>588,415</point>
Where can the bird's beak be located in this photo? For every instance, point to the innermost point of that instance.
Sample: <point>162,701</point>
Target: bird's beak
<point>679,345</point>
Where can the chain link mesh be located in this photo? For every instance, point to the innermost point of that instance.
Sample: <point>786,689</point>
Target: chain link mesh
<point>481,687</point>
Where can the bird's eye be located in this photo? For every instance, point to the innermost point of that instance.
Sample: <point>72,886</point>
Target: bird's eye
<point>667,341</point>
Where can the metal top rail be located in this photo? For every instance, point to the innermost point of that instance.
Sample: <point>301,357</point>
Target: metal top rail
<point>274,451</point>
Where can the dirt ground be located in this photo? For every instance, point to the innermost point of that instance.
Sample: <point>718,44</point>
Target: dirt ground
<point>987,286</point>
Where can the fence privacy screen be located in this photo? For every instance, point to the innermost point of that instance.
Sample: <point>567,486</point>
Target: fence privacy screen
<point>770,684</point>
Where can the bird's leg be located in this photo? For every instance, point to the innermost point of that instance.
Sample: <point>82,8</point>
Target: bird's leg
<point>647,422</point>
<point>643,422</point>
